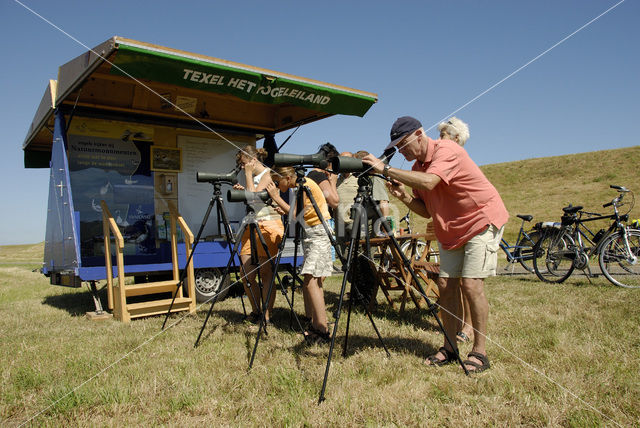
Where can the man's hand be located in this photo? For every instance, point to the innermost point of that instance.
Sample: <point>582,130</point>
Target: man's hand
<point>376,164</point>
<point>398,190</point>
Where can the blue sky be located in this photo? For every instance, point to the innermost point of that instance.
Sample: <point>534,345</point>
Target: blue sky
<point>422,58</point>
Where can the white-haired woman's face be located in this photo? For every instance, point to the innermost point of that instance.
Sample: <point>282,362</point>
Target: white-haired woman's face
<point>446,135</point>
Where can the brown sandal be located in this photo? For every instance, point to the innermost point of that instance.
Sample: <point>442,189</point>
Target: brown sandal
<point>477,367</point>
<point>315,336</point>
<point>449,357</point>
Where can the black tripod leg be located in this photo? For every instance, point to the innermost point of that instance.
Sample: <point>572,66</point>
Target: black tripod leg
<point>356,292</point>
<point>350,256</point>
<point>431,307</point>
<point>262,320</point>
<point>294,271</point>
<point>255,229</point>
<point>224,276</point>
<point>231,240</point>
<point>351,269</point>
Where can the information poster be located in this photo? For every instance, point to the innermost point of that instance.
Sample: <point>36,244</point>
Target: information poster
<point>212,156</point>
<point>110,161</point>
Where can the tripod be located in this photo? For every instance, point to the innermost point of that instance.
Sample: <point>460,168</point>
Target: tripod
<point>303,190</point>
<point>251,222</point>
<point>362,201</point>
<point>216,199</point>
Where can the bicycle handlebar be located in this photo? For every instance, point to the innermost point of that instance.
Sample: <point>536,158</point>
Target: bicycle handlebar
<point>615,201</point>
<point>619,188</point>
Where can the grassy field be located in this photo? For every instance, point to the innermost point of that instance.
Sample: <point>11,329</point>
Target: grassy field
<point>562,355</point>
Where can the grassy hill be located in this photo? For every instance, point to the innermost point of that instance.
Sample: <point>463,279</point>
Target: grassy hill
<point>542,186</point>
<point>27,253</point>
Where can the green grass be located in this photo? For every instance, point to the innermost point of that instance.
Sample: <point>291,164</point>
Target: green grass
<point>562,355</point>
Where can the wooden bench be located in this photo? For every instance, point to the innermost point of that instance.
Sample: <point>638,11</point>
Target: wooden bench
<point>392,274</point>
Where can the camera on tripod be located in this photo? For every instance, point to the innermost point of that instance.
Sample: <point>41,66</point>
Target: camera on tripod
<point>240,195</point>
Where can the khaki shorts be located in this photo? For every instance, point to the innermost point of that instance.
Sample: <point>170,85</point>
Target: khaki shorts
<point>478,258</point>
<point>317,252</point>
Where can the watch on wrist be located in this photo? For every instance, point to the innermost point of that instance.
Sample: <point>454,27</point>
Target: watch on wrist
<point>385,170</point>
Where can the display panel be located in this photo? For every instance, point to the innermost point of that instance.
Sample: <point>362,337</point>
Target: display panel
<point>110,161</point>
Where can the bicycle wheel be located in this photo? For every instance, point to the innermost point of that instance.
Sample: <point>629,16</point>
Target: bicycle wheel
<point>525,255</point>
<point>554,257</point>
<point>621,265</point>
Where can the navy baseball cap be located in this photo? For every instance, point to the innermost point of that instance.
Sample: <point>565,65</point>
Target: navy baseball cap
<point>401,127</point>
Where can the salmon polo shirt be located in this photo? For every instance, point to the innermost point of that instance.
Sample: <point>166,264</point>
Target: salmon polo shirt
<point>464,203</point>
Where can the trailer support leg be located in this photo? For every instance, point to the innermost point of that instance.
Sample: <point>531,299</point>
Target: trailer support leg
<point>99,313</point>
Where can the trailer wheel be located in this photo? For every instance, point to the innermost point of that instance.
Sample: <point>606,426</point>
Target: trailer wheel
<point>208,284</point>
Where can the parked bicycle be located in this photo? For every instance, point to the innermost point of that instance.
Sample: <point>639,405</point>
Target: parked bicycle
<point>569,245</point>
<point>522,251</point>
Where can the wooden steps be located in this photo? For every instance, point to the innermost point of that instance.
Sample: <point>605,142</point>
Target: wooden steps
<point>148,298</point>
<point>156,307</point>
<point>151,288</point>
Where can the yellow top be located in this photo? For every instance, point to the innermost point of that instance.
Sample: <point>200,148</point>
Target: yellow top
<point>310,216</point>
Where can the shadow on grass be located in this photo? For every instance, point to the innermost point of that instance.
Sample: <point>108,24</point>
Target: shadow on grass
<point>357,343</point>
<point>419,318</point>
<point>76,303</point>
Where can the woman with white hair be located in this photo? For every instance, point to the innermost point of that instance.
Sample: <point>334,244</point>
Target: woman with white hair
<point>456,130</point>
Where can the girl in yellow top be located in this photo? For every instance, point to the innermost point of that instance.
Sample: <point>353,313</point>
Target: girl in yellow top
<point>316,246</point>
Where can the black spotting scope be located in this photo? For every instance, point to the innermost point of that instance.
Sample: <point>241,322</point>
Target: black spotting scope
<point>207,177</point>
<point>238,195</point>
<point>318,160</point>
<point>344,164</point>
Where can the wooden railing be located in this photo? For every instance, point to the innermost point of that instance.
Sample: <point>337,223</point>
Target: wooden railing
<point>117,294</point>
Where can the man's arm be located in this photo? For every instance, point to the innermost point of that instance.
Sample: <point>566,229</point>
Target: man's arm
<point>415,179</point>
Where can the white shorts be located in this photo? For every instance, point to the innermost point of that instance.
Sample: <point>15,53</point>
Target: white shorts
<point>478,258</point>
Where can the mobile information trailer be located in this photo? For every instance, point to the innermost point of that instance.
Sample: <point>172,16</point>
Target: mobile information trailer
<point>124,130</point>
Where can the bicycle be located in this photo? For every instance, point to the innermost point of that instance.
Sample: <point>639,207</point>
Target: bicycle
<point>570,245</point>
<point>522,251</point>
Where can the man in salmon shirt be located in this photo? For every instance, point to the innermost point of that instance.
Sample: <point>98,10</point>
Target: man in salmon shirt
<point>468,217</point>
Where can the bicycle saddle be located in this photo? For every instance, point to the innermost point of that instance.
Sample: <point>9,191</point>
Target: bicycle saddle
<point>525,217</point>
<point>571,209</point>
